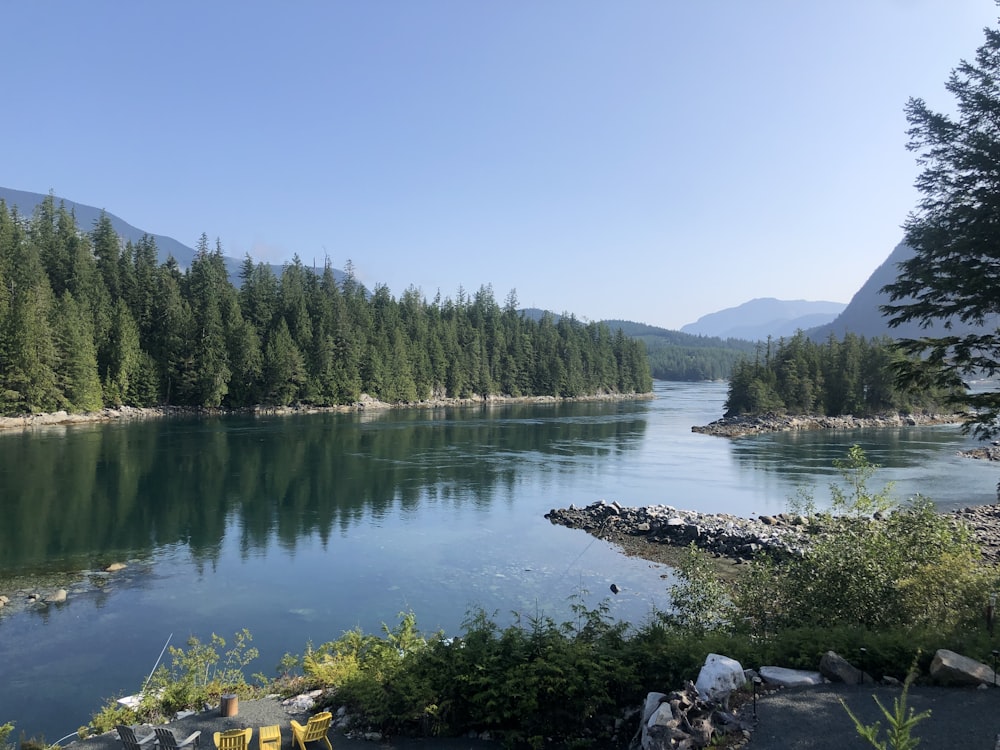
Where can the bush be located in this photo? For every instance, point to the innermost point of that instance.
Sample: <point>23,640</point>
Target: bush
<point>196,677</point>
<point>907,566</point>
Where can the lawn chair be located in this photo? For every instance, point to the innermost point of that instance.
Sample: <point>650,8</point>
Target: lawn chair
<point>166,740</point>
<point>269,738</point>
<point>130,741</point>
<point>314,731</point>
<point>234,739</point>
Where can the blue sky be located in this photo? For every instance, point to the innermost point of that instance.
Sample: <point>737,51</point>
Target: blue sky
<point>652,161</point>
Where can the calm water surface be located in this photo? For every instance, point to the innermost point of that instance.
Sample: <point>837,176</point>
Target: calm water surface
<point>300,528</point>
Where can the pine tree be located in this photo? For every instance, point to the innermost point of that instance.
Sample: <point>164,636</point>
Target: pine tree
<point>954,274</point>
<point>77,356</point>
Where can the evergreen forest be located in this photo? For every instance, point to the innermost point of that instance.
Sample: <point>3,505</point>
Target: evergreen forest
<point>851,376</point>
<point>88,322</point>
<point>674,355</point>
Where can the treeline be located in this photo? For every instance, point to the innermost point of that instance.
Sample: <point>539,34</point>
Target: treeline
<point>854,376</point>
<point>674,355</point>
<point>692,363</point>
<point>86,322</point>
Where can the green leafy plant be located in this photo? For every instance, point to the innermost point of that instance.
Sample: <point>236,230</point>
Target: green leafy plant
<point>5,732</point>
<point>701,602</point>
<point>197,676</point>
<point>901,723</point>
<point>857,500</point>
<point>909,566</point>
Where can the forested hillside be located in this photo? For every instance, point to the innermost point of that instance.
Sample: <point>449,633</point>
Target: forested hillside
<point>682,356</point>
<point>851,376</point>
<point>86,321</point>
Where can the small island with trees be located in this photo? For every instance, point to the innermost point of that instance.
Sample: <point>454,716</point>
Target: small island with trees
<point>796,384</point>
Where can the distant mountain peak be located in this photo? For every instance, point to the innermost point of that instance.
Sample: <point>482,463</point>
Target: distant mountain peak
<point>762,317</point>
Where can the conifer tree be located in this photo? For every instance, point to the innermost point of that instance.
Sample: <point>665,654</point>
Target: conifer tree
<point>954,274</point>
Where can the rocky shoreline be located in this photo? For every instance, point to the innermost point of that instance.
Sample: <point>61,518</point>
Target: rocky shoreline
<point>365,402</point>
<point>739,426</point>
<point>657,532</point>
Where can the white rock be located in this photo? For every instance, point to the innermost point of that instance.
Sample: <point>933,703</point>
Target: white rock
<point>653,701</point>
<point>790,677</point>
<point>719,676</point>
<point>661,716</point>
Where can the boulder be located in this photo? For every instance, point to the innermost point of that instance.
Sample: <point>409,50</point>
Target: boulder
<point>114,567</point>
<point>719,677</point>
<point>836,668</point>
<point>57,597</point>
<point>653,701</point>
<point>949,668</point>
<point>790,677</point>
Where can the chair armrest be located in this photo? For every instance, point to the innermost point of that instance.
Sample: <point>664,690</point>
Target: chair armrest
<point>148,738</point>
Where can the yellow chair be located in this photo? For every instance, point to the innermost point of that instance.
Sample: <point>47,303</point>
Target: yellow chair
<point>269,737</point>
<point>314,731</point>
<point>234,739</point>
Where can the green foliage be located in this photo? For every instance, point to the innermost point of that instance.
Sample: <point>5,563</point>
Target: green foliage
<point>853,376</point>
<point>700,600</point>
<point>199,675</point>
<point>368,670</point>
<point>899,735</point>
<point>857,500</point>
<point>874,573</point>
<point>5,732</point>
<point>530,680</point>
<point>950,281</point>
<point>683,357</point>
<point>84,323</point>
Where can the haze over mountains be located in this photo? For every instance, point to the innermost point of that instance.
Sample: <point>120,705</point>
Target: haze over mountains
<point>765,317</point>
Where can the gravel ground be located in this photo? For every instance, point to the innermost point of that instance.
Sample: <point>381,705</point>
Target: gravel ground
<point>812,718</point>
<point>265,712</point>
<point>809,718</point>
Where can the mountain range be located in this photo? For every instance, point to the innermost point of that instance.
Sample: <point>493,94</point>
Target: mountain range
<point>765,317</point>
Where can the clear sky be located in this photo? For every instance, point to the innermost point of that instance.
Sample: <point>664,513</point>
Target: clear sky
<point>648,160</point>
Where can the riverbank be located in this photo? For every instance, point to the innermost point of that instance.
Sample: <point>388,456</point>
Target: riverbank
<point>364,403</point>
<point>740,426</point>
<point>659,533</point>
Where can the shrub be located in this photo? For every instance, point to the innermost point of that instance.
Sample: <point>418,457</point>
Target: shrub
<point>911,566</point>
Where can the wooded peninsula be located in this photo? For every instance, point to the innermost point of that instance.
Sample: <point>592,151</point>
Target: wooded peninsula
<point>87,322</point>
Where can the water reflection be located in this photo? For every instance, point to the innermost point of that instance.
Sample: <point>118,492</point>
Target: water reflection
<point>102,491</point>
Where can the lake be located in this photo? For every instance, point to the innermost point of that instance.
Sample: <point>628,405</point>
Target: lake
<point>302,527</point>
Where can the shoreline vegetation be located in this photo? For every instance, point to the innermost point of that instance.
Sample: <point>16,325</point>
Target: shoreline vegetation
<point>364,403</point>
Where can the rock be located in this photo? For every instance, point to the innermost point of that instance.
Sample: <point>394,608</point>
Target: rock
<point>653,701</point>
<point>719,677</point>
<point>837,669</point>
<point>302,703</point>
<point>115,567</point>
<point>58,597</point>
<point>949,668</point>
<point>790,677</point>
